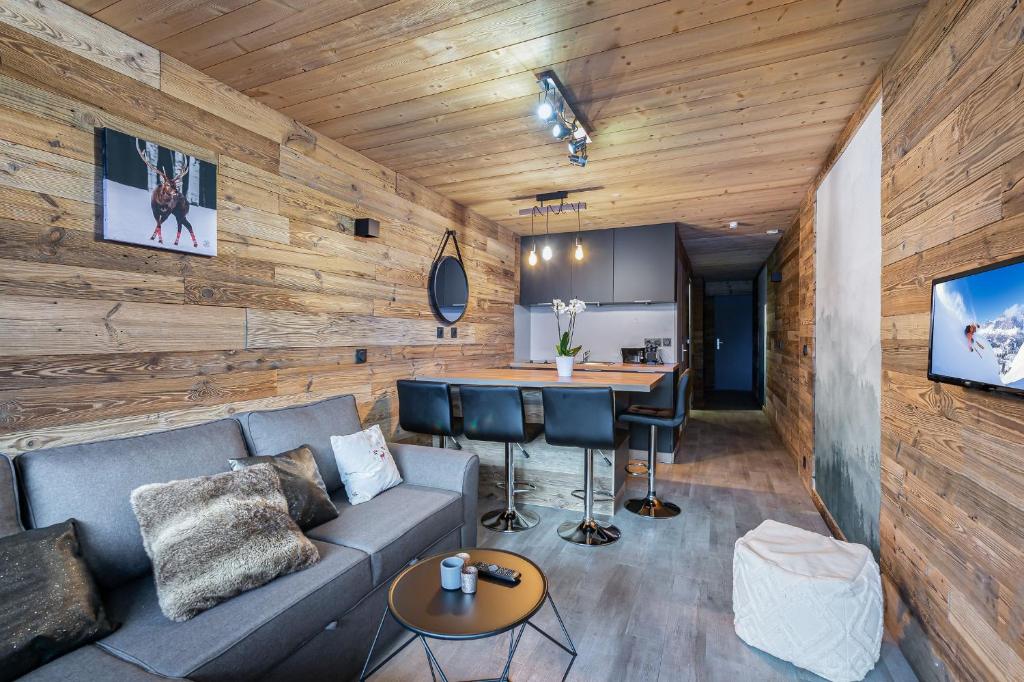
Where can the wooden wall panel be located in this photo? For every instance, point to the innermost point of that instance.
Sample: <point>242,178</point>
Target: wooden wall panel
<point>952,458</point>
<point>102,340</point>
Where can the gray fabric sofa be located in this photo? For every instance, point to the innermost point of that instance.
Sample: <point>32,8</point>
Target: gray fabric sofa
<point>314,624</point>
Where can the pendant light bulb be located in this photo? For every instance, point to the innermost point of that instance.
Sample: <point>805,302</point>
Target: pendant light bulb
<point>532,258</point>
<point>545,253</point>
<point>579,251</point>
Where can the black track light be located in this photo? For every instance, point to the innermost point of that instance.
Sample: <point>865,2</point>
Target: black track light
<point>577,145</point>
<point>578,160</point>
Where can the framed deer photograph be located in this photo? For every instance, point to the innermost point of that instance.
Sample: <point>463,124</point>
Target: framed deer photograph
<point>158,197</point>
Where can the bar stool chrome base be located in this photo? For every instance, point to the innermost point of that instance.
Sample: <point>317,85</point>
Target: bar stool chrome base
<point>589,533</point>
<point>653,508</point>
<point>509,520</point>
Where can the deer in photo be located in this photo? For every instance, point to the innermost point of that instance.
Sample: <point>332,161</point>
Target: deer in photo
<point>167,200</point>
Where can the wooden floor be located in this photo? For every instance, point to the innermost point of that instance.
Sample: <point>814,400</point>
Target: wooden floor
<point>657,605</point>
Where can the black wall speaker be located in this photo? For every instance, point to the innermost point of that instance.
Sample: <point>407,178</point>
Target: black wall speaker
<point>367,227</point>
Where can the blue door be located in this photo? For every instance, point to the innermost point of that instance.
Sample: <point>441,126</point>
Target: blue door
<point>734,342</point>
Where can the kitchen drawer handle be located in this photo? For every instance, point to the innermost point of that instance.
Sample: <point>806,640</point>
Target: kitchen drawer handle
<point>646,300</point>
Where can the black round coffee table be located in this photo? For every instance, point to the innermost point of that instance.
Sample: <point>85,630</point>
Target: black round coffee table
<point>418,602</point>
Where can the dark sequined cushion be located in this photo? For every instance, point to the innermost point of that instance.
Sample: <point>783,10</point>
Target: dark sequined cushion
<point>303,487</point>
<point>49,604</point>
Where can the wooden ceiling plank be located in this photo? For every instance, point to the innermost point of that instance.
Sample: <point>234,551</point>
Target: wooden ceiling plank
<point>306,15</point>
<point>738,107</point>
<point>651,167</point>
<point>494,39</point>
<point>602,54</point>
<point>348,37</point>
<point>152,22</point>
<point>623,145</point>
<point>833,64</point>
<point>488,48</point>
<point>188,44</point>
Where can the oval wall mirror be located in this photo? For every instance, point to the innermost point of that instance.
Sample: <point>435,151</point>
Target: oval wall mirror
<point>449,289</point>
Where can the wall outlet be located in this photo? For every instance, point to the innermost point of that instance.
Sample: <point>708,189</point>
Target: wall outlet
<point>455,332</point>
<point>440,332</point>
<point>360,356</point>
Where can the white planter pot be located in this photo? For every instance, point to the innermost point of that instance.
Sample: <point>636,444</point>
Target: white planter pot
<point>564,364</point>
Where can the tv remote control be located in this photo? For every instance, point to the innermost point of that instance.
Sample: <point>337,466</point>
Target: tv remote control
<point>505,575</point>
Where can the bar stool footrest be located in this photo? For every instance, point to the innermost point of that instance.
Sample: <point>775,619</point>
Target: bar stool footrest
<point>636,468</point>
<point>599,495</point>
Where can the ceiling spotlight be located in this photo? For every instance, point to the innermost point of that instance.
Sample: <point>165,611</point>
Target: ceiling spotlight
<point>578,145</point>
<point>733,225</point>
<point>562,129</point>
<point>545,111</point>
<point>545,253</point>
<point>578,159</point>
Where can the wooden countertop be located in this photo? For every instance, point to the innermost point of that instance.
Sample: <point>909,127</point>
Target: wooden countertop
<point>663,367</point>
<point>637,382</point>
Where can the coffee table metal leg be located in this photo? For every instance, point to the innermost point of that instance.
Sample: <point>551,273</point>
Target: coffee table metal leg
<point>431,661</point>
<point>369,656</point>
<point>571,649</point>
<point>515,635</point>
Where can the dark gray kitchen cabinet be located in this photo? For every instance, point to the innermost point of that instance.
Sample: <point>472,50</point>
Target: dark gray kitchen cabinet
<point>592,276</point>
<point>644,264</point>
<point>547,279</point>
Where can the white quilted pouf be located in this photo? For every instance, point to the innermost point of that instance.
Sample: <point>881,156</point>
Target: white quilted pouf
<point>808,599</point>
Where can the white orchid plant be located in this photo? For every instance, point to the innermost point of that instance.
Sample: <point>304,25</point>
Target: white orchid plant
<point>572,309</point>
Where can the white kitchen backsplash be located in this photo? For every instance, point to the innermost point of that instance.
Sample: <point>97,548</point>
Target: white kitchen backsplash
<point>603,330</point>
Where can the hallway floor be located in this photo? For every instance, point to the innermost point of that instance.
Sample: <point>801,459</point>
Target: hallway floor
<point>657,605</point>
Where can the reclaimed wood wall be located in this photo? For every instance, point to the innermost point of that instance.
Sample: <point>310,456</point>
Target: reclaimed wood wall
<point>99,339</point>
<point>790,321</point>
<point>952,458</point>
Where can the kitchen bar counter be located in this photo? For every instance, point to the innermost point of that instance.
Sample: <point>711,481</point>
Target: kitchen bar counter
<point>603,366</point>
<point>639,382</point>
<point>554,471</point>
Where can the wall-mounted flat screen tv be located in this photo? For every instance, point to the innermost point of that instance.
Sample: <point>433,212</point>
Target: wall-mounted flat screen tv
<point>978,328</point>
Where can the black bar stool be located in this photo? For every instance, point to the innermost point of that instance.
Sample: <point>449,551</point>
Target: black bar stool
<point>426,407</point>
<point>651,506</point>
<point>583,418</point>
<point>496,414</point>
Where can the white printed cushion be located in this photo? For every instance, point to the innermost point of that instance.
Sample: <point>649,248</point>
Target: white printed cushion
<point>808,599</point>
<point>365,463</point>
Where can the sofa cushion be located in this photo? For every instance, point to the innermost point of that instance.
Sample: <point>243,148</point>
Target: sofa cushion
<point>272,431</point>
<point>394,527</point>
<point>91,483</point>
<point>246,635</point>
<point>89,663</point>
<point>10,518</point>
<point>213,537</point>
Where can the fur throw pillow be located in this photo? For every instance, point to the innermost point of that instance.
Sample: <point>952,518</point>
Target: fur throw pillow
<point>213,537</point>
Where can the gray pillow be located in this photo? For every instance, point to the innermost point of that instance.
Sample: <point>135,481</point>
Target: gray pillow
<point>308,502</point>
<point>212,537</point>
